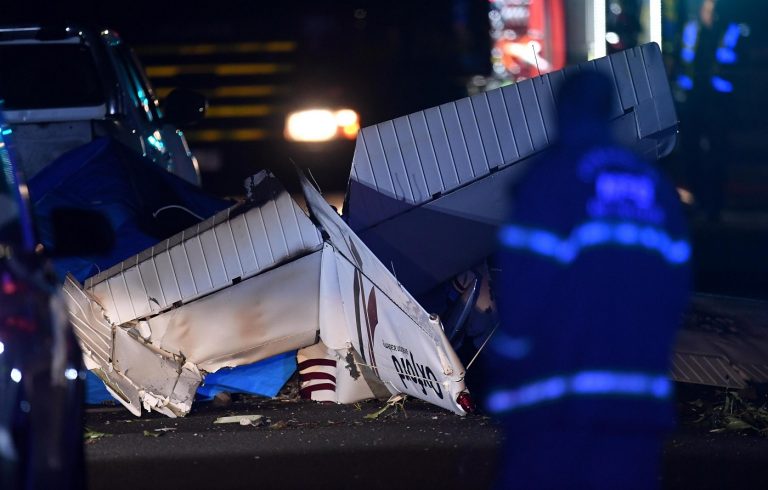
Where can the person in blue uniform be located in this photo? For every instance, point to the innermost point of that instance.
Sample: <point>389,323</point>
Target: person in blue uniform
<point>711,84</point>
<point>593,281</point>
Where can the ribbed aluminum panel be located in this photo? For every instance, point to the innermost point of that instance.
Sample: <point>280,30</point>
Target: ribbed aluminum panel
<point>724,342</point>
<point>414,159</point>
<point>756,373</point>
<point>705,370</point>
<point>94,333</point>
<point>232,245</point>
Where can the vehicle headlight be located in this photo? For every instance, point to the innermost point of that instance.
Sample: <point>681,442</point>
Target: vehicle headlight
<point>318,125</point>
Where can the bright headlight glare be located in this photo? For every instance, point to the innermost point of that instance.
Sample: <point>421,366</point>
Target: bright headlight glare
<point>311,125</point>
<point>349,123</point>
<point>346,117</point>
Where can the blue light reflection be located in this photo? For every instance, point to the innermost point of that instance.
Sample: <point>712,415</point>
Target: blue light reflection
<point>731,36</point>
<point>690,33</point>
<point>687,54</point>
<point>583,383</point>
<point>725,56</point>
<point>722,85</point>
<point>592,234</point>
<point>685,82</point>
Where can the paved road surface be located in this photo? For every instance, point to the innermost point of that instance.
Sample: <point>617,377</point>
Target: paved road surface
<point>313,446</point>
<point>302,445</point>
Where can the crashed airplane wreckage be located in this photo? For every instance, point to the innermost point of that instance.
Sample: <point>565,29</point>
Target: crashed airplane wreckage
<point>263,277</point>
<point>441,176</point>
<point>250,282</point>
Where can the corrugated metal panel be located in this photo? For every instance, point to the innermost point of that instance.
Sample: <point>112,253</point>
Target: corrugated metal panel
<point>533,116</point>
<point>547,107</point>
<point>451,145</point>
<point>410,156</point>
<point>450,174</point>
<point>390,147</point>
<point>514,105</point>
<point>757,373</point>
<point>427,159</point>
<point>381,173</point>
<point>454,160</point>
<point>235,244</point>
<point>471,132</point>
<point>149,273</point>
<point>502,125</point>
<point>89,325</point>
<point>439,176</point>
<point>705,370</point>
<point>605,66</point>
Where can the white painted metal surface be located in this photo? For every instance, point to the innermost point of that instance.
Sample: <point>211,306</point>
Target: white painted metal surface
<point>249,283</point>
<point>229,247</point>
<point>415,159</point>
<point>398,342</point>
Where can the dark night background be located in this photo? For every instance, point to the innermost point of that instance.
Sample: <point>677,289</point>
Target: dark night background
<point>387,59</point>
<point>384,59</point>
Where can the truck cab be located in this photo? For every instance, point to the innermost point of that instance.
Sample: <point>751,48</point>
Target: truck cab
<point>66,86</point>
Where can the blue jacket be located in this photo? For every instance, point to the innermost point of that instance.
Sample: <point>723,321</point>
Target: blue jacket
<point>594,279</point>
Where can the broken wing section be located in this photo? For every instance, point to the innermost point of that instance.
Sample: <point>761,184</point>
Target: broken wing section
<point>442,175</point>
<point>398,343</point>
<point>133,370</point>
<point>238,288</point>
<point>158,362</point>
<point>256,281</point>
<point>227,248</point>
<point>265,315</point>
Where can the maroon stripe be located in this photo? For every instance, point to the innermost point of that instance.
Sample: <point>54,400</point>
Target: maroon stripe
<point>316,362</point>
<point>372,321</point>
<point>306,392</point>
<point>317,375</point>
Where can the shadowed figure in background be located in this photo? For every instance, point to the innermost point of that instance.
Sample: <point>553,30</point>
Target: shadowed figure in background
<point>711,88</point>
<point>594,277</point>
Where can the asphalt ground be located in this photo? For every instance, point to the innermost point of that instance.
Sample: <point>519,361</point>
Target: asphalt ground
<point>302,444</point>
<point>298,444</point>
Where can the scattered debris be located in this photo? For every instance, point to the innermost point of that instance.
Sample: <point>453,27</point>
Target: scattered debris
<point>396,401</point>
<point>732,411</point>
<point>290,390</point>
<point>222,399</point>
<point>255,420</point>
<point>145,323</point>
<point>321,284</point>
<point>279,425</point>
<point>92,436</point>
<point>149,433</point>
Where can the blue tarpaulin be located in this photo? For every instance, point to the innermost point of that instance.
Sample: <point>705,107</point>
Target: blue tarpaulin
<point>262,378</point>
<point>144,204</point>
